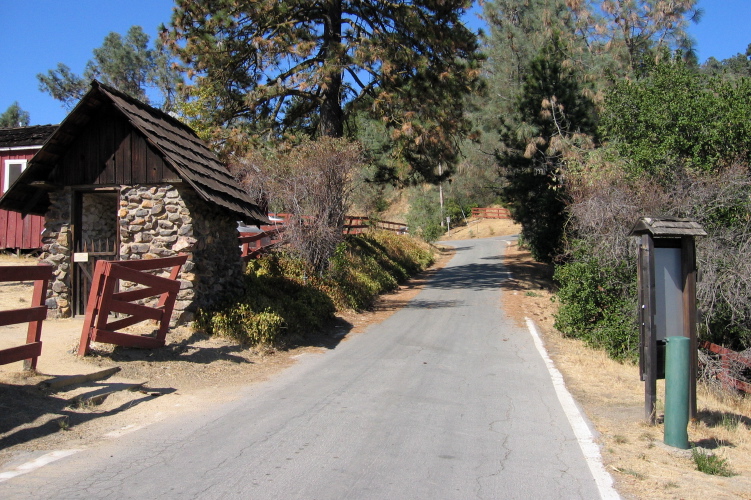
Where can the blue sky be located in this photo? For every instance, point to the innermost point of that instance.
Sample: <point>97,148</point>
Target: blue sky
<point>37,34</point>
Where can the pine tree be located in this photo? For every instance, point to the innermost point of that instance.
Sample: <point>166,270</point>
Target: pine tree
<point>14,116</point>
<point>280,67</point>
<point>126,63</point>
<point>553,120</point>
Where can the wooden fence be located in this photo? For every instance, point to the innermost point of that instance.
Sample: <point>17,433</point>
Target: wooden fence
<point>33,315</point>
<point>727,358</point>
<point>491,213</point>
<point>104,301</point>
<point>358,225</point>
<point>253,244</point>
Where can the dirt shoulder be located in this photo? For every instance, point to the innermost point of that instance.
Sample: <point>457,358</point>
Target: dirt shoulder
<point>612,396</point>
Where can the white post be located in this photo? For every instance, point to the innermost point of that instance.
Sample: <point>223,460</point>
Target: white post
<point>440,190</point>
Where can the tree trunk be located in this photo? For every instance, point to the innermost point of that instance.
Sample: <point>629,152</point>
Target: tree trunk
<point>332,116</point>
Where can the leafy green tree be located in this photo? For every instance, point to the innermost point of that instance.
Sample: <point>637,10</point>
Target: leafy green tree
<point>424,216</point>
<point>677,118</point>
<point>14,116</point>
<point>285,67</point>
<point>126,63</point>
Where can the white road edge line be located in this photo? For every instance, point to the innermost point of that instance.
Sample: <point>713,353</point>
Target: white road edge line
<point>583,433</point>
<point>36,463</point>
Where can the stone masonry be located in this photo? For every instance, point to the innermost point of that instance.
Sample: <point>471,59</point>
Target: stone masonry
<point>158,221</point>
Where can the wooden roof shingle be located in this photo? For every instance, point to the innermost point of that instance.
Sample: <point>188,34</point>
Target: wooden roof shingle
<point>177,143</point>
<point>670,227</point>
<point>19,137</point>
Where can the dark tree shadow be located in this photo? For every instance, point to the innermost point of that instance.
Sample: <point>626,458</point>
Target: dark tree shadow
<point>22,405</point>
<point>712,444</point>
<point>722,418</point>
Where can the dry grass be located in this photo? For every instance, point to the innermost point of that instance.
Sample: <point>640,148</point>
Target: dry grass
<point>483,228</point>
<point>613,398</point>
<point>13,259</point>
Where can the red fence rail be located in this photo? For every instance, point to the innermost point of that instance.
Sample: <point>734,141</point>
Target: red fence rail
<point>491,213</point>
<point>360,224</point>
<point>33,315</point>
<point>255,243</point>
<point>104,300</point>
<point>726,357</point>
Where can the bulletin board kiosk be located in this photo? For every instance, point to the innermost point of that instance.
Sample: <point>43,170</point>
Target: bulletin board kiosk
<point>667,300</point>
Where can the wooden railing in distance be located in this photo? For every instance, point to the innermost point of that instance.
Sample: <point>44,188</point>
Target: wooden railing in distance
<point>358,225</point>
<point>104,300</point>
<point>253,244</point>
<point>33,315</point>
<point>491,213</point>
<point>726,356</point>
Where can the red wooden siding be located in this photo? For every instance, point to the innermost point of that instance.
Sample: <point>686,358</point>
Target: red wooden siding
<point>17,232</point>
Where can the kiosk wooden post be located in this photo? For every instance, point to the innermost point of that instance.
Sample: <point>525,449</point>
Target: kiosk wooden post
<point>667,299</point>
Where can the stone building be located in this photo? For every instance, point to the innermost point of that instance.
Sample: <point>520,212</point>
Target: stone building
<point>120,180</point>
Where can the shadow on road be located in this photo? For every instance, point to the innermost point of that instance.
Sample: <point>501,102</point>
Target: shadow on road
<point>29,413</point>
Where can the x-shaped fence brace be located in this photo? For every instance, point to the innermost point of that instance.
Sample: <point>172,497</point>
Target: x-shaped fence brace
<point>104,301</point>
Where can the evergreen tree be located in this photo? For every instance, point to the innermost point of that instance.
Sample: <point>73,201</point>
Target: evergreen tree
<point>628,33</point>
<point>126,63</point>
<point>553,120</point>
<point>283,67</point>
<point>14,116</point>
<point>731,68</point>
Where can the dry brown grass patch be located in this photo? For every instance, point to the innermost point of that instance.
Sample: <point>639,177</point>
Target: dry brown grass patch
<point>613,398</point>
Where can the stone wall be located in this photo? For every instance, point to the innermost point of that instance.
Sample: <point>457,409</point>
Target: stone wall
<point>56,251</point>
<point>161,221</point>
<point>98,222</point>
<point>156,221</point>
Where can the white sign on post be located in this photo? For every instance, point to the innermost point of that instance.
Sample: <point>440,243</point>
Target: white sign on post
<point>81,257</point>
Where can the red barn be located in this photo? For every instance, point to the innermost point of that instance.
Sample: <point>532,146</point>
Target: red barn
<point>17,147</point>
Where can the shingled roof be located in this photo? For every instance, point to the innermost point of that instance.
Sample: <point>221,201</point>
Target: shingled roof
<point>178,144</point>
<point>670,227</point>
<point>20,137</point>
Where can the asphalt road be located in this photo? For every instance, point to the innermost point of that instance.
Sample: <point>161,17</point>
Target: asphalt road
<point>447,399</point>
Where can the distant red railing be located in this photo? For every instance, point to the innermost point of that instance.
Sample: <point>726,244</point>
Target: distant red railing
<point>726,357</point>
<point>491,213</point>
<point>358,225</point>
<point>253,244</point>
<point>33,315</point>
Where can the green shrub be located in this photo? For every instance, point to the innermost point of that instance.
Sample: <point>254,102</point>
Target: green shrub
<point>598,305</point>
<point>711,464</point>
<point>370,264</point>
<point>285,298</point>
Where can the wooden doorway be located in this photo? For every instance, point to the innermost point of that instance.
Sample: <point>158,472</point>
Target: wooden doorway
<point>96,236</point>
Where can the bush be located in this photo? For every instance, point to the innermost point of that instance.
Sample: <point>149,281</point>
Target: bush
<point>598,305</point>
<point>285,297</point>
<point>281,302</point>
<point>371,264</point>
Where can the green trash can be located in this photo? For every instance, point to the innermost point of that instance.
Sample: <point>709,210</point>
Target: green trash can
<point>677,377</point>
